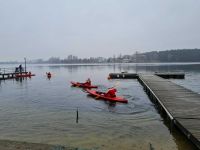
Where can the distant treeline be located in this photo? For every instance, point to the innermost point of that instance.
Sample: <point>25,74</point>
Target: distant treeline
<point>179,55</point>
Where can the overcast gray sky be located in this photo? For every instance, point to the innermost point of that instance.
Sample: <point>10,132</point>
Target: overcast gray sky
<point>45,28</point>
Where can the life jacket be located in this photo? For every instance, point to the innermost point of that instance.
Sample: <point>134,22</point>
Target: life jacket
<point>111,92</point>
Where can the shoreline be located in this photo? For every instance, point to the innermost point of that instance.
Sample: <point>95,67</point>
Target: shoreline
<point>19,145</point>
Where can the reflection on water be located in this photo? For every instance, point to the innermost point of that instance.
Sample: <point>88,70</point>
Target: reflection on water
<point>41,110</point>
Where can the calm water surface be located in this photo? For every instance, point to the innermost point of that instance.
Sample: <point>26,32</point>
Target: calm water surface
<point>44,111</point>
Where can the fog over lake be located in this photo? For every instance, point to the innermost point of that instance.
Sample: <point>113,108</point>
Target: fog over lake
<point>45,28</point>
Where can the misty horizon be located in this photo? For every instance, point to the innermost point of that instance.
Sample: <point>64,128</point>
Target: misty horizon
<point>178,55</point>
<point>42,29</point>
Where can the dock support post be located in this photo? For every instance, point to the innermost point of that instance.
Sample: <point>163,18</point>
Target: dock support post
<point>171,125</point>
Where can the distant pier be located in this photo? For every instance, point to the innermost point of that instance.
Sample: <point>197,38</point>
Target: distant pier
<point>180,105</point>
<point>5,76</point>
<point>9,73</point>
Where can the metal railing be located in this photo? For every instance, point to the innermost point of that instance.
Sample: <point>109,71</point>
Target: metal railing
<point>7,70</point>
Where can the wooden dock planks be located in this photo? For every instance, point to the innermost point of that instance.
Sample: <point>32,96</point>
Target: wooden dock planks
<point>181,105</point>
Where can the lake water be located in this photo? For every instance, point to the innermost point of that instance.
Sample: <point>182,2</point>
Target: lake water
<point>44,111</point>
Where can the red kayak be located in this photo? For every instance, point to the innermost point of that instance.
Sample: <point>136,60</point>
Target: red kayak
<point>102,96</point>
<point>82,85</point>
<point>24,75</point>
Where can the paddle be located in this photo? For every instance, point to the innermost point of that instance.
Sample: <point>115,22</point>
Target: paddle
<point>97,97</point>
<point>115,85</point>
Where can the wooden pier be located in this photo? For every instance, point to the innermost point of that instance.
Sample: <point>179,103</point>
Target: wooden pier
<point>10,73</point>
<point>179,104</point>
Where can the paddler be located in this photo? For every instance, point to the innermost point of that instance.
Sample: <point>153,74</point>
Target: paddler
<point>48,74</point>
<point>88,82</point>
<point>111,92</point>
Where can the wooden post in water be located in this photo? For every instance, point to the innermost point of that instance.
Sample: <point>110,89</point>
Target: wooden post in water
<point>150,147</point>
<point>171,125</point>
<point>136,62</point>
<point>25,63</point>
<point>77,115</point>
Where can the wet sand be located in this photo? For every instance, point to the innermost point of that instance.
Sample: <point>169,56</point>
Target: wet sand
<point>15,145</point>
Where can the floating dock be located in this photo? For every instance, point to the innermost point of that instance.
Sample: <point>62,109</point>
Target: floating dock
<point>164,75</point>
<point>171,75</point>
<point>123,76</point>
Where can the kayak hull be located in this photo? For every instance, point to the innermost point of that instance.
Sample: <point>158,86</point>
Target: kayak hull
<point>96,94</point>
<point>82,85</point>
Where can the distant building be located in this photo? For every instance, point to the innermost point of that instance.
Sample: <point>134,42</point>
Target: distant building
<point>126,60</point>
<point>100,59</point>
